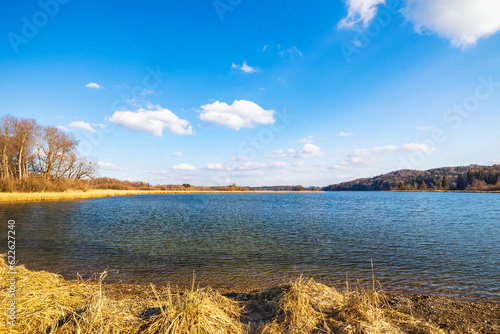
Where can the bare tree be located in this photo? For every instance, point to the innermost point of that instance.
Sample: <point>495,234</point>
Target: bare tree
<point>25,130</point>
<point>82,168</point>
<point>6,133</point>
<point>26,147</point>
<point>54,152</point>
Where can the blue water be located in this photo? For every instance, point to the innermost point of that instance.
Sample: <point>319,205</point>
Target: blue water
<point>440,243</point>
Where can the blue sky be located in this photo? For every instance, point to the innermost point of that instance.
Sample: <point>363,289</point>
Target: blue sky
<point>259,92</point>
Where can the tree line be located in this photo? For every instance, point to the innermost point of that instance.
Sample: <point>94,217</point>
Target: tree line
<point>473,178</point>
<point>30,151</point>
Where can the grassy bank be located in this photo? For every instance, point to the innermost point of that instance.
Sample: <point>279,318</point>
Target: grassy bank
<point>67,195</point>
<point>46,303</point>
<point>54,196</point>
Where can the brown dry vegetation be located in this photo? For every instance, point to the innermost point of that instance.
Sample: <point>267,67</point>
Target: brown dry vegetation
<point>54,196</point>
<point>46,303</point>
<point>67,195</point>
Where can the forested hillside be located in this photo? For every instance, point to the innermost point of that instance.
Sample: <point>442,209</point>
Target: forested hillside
<point>473,177</point>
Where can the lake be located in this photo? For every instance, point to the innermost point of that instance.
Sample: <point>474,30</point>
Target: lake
<point>438,243</point>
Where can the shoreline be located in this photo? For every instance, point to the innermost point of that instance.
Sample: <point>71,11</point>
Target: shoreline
<point>450,314</point>
<point>48,303</point>
<point>69,195</point>
<point>138,288</point>
<point>252,286</point>
<point>14,197</point>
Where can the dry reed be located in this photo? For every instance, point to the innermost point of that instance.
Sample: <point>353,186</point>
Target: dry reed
<point>196,311</point>
<point>6,197</point>
<point>310,307</point>
<point>46,303</point>
<point>42,299</point>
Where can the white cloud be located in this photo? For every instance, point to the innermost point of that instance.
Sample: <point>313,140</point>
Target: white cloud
<point>215,166</point>
<point>245,68</point>
<point>310,151</point>
<point>425,128</point>
<point>354,161</point>
<point>152,120</point>
<point>247,166</point>
<point>265,47</point>
<point>280,165</point>
<point>290,51</point>
<point>249,173</point>
<point>346,134</point>
<point>414,147</point>
<point>81,125</point>
<point>109,166</point>
<point>299,163</point>
<point>371,156</point>
<point>239,158</point>
<point>60,127</point>
<point>307,151</point>
<point>306,140</point>
<point>463,22</point>
<point>241,114</point>
<point>357,43</point>
<point>359,12</point>
<point>148,91</point>
<point>178,154</point>
<point>93,85</point>
<point>158,172</point>
<point>251,168</point>
<point>494,162</point>
<point>183,166</point>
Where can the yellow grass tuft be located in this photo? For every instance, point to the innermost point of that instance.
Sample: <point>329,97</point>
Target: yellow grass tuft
<point>300,308</point>
<point>102,315</point>
<point>310,307</point>
<point>46,303</point>
<point>197,311</point>
<point>42,299</point>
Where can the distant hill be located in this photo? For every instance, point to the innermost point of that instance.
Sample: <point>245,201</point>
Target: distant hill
<point>473,177</point>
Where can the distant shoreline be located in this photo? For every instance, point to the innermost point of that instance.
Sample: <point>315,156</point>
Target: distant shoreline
<point>69,195</point>
<point>14,197</point>
<point>419,191</point>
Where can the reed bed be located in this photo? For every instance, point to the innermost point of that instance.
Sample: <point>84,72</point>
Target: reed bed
<point>6,197</point>
<point>55,196</point>
<point>46,303</point>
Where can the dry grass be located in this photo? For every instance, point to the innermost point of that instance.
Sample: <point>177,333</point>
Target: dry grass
<point>197,311</point>
<point>67,195</point>
<point>54,196</point>
<point>46,303</point>
<point>42,298</point>
<point>310,307</point>
<point>100,314</point>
